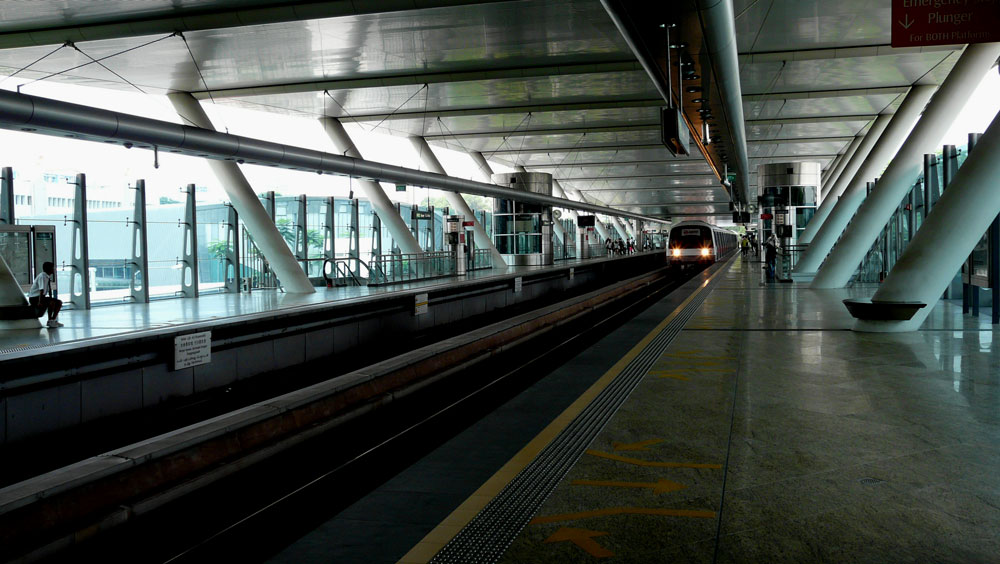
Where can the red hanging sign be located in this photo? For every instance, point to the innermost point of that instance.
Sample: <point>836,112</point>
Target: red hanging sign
<point>944,22</point>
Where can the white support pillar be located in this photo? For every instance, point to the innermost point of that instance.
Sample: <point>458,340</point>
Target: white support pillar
<point>833,174</point>
<point>947,236</point>
<point>456,201</point>
<point>622,232</point>
<point>878,207</point>
<point>834,164</point>
<point>485,170</point>
<point>559,191</point>
<point>844,198</point>
<point>886,144</point>
<point>248,206</point>
<point>383,206</point>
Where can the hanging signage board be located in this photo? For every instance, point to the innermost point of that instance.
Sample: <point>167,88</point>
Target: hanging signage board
<point>422,214</point>
<point>766,216</point>
<point>401,187</point>
<point>944,22</point>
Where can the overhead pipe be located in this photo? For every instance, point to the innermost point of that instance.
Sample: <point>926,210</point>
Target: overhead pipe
<point>24,112</point>
<point>652,70</point>
<point>718,25</point>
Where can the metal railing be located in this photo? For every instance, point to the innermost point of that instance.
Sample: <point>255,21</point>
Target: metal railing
<point>481,259</point>
<point>344,271</point>
<point>391,269</point>
<point>786,259</point>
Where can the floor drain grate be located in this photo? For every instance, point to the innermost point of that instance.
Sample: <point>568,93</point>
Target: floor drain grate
<point>870,481</point>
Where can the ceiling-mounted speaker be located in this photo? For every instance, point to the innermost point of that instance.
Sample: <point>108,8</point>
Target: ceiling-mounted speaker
<point>674,132</point>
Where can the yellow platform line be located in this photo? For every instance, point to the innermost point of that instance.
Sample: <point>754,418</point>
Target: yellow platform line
<point>431,544</point>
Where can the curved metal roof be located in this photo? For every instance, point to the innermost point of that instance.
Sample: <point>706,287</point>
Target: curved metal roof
<point>547,84</point>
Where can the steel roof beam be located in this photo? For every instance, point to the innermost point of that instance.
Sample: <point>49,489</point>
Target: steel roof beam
<point>812,119</point>
<point>562,131</point>
<point>420,79</point>
<point>193,19</point>
<point>503,110</point>
<point>793,140</point>
<point>817,94</point>
<point>840,53</point>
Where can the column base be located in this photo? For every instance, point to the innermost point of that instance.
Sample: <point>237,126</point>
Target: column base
<point>803,276</point>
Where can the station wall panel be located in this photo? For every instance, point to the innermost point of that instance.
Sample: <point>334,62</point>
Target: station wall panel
<point>111,394</point>
<point>289,351</point>
<point>220,372</point>
<point>254,359</point>
<point>43,410</point>
<point>319,344</point>
<point>159,384</point>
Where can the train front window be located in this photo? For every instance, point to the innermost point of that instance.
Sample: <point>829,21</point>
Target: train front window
<point>690,238</point>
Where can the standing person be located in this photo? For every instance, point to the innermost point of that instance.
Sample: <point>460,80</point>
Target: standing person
<point>744,245</point>
<point>770,254</point>
<point>40,296</point>
<point>607,246</point>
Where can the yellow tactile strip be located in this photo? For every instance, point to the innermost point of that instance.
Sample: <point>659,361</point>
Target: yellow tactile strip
<point>431,544</point>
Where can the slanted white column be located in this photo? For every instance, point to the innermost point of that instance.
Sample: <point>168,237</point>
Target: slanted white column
<point>947,236</point>
<point>887,145</point>
<point>836,162</point>
<point>247,205</point>
<point>384,208</point>
<point>830,178</point>
<point>456,201</point>
<point>484,168</point>
<point>622,232</point>
<point>844,198</point>
<point>878,207</point>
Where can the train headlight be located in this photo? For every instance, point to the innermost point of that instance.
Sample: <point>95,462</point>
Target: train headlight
<point>677,252</point>
<point>704,252</point>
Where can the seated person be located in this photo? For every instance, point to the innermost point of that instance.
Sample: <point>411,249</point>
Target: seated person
<point>40,296</point>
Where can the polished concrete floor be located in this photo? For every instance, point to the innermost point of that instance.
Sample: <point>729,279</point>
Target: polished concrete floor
<point>770,432</point>
<point>116,319</point>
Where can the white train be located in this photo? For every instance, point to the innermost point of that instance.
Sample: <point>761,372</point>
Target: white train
<point>697,242</point>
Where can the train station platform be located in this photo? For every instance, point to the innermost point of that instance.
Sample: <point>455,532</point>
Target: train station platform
<point>749,425</point>
<point>115,319</point>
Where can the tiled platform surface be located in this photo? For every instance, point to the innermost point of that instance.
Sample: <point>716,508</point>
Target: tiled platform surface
<point>781,436</point>
<point>108,320</point>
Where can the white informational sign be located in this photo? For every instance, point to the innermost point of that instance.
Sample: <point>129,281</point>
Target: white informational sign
<point>420,304</point>
<point>572,271</point>
<point>192,350</point>
<point>517,284</point>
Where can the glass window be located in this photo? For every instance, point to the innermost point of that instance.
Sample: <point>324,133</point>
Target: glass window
<point>803,215</point>
<point>525,223</point>
<point>505,244</point>
<point>503,224</point>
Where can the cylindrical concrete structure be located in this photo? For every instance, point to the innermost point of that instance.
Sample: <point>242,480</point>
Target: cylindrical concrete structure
<point>523,231</point>
<point>241,195</point>
<point>864,158</point>
<point>946,238</point>
<point>845,197</point>
<point>456,201</point>
<point>384,208</point>
<point>892,186</point>
<point>782,190</point>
